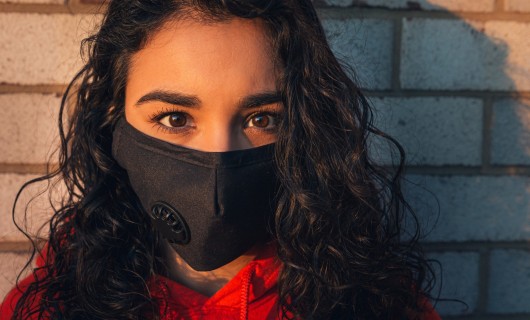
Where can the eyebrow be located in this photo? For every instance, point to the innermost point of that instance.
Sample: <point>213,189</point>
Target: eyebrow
<point>192,101</point>
<point>170,97</point>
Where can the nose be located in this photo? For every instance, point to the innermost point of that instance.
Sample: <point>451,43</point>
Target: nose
<point>221,137</point>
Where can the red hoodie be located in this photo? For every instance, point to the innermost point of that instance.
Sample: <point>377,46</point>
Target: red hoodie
<point>251,294</point>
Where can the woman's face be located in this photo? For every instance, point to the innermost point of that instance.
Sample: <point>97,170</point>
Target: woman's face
<point>205,87</point>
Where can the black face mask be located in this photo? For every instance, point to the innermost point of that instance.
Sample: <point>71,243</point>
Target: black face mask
<point>210,206</point>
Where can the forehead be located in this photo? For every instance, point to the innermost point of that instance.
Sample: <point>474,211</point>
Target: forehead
<point>194,55</point>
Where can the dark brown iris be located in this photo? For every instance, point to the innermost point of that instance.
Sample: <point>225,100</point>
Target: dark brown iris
<point>260,121</point>
<point>177,120</point>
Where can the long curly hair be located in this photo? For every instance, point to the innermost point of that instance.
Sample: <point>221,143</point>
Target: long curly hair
<point>339,220</point>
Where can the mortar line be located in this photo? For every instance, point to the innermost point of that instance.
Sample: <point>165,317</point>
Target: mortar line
<point>388,14</point>
<point>483,281</point>
<point>75,6</point>
<point>487,126</point>
<point>58,89</point>
<point>396,57</point>
<point>19,168</point>
<point>466,246</point>
<point>34,8</point>
<point>15,246</point>
<point>500,6</point>
<point>493,171</point>
<point>72,7</point>
<point>448,93</point>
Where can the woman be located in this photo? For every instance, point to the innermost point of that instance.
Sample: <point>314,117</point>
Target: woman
<point>217,167</point>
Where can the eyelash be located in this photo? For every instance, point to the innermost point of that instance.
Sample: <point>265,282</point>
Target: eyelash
<point>159,115</point>
<point>267,111</point>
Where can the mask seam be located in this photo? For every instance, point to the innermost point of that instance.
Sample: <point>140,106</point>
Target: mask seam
<point>168,154</point>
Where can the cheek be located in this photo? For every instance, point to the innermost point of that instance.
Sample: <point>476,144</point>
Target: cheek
<point>258,137</point>
<point>263,139</point>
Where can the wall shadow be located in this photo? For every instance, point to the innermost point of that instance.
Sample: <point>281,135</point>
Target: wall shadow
<point>466,131</point>
<point>478,61</point>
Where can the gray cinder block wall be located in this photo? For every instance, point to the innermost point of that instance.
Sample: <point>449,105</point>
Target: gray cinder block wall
<point>450,79</point>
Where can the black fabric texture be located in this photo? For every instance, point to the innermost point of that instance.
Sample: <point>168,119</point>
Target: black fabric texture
<point>225,199</point>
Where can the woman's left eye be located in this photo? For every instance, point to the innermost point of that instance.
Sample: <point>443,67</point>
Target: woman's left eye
<point>263,121</point>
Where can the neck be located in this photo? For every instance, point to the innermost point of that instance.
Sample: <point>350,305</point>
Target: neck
<point>205,282</point>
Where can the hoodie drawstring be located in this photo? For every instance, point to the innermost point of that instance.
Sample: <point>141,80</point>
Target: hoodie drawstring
<point>245,293</point>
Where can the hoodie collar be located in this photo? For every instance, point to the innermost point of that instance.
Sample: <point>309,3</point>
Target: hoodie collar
<point>258,278</point>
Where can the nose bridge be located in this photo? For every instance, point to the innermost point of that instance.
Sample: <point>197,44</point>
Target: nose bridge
<point>221,133</point>
<point>218,139</point>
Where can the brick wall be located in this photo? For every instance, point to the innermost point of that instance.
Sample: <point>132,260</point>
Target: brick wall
<point>450,79</point>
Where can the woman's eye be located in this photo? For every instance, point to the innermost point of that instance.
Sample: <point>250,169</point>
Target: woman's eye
<point>174,120</point>
<point>263,120</point>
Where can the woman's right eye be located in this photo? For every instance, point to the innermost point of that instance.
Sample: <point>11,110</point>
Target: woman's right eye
<point>174,120</point>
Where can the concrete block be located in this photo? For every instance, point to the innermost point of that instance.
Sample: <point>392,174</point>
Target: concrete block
<point>433,131</point>
<point>28,127</point>
<point>457,279</point>
<point>517,5</point>
<point>441,5</point>
<point>458,55</point>
<point>509,289</point>
<point>510,141</point>
<point>38,210</point>
<point>366,45</point>
<point>10,266</point>
<point>42,48</point>
<point>471,208</point>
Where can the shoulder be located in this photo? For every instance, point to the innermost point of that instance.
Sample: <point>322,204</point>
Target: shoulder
<point>429,311</point>
<point>10,301</point>
<point>431,315</point>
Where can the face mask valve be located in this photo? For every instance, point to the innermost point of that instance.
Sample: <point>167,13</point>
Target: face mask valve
<point>165,217</point>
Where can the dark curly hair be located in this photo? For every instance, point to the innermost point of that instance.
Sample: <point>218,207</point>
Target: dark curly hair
<point>339,221</point>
